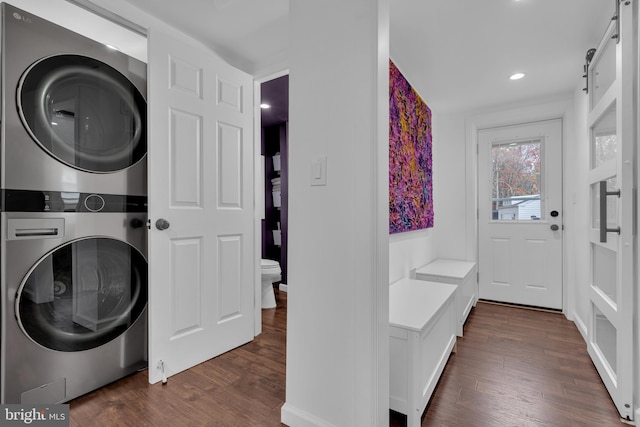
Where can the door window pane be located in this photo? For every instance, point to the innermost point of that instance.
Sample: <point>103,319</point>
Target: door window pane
<point>605,337</point>
<point>604,141</point>
<point>604,271</point>
<point>517,185</point>
<point>603,71</point>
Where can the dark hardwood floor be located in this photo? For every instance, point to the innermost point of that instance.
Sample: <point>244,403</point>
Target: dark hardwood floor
<point>519,367</point>
<point>244,387</point>
<point>514,367</point>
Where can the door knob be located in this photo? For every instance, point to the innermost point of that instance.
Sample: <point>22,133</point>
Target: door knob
<point>555,227</point>
<point>162,224</point>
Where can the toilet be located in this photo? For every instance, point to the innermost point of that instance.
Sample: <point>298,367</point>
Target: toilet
<point>270,273</point>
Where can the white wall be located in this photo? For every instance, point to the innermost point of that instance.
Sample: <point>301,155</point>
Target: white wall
<point>451,173</point>
<point>337,321</point>
<point>410,250</point>
<point>447,239</point>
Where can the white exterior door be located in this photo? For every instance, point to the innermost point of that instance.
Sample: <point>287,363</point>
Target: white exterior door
<point>201,237</point>
<point>520,214</point>
<point>612,120</point>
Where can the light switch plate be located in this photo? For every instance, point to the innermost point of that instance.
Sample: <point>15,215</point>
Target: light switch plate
<point>319,171</point>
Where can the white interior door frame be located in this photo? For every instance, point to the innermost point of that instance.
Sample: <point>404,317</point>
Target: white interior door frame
<point>637,259</point>
<point>259,203</point>
<point>520,259</point>
<point>552,109</point>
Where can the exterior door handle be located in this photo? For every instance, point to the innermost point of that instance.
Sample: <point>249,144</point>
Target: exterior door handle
<point>162,224</point>
<point>555,227</point>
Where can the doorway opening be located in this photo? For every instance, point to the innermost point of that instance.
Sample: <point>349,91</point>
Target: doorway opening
<point>274,117</point>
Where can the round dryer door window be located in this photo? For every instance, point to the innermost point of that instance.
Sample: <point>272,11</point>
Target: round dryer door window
<point>83,294</point>
<point>84,113</point>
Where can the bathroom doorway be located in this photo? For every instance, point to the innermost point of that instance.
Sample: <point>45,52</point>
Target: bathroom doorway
<point>274,119</point>
<point>272,185</point>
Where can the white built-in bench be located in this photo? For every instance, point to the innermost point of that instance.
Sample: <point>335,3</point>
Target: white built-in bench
<point>456,272</point>
<point>422,334</point>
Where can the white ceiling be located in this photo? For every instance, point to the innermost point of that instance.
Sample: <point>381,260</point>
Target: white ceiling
<point>458,54</point>
<point>250,34</point>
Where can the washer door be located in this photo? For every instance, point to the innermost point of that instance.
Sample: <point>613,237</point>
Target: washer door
<point>83,294</point>
<point>84,113</point>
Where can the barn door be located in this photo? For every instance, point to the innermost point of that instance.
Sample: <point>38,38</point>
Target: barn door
<point>611,124</point>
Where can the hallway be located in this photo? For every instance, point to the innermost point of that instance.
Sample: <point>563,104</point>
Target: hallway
<point>514,367</point>
<point>519,367</point>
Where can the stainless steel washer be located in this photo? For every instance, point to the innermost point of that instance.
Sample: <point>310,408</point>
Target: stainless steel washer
<point>74,292</point>
<point>74,116</point>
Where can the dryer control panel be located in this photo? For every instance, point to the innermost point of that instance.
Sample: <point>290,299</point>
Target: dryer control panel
<point>68,201</point>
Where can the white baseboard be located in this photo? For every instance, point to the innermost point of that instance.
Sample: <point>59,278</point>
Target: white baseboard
<point>582,327</point>
<point>283,287</point>
<point>291,416</point>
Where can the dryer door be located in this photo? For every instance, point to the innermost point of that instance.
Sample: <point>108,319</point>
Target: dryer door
<point>83,294</point>
<point>84,113</point>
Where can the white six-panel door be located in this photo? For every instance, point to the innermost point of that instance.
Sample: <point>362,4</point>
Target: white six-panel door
<point>201,237</point>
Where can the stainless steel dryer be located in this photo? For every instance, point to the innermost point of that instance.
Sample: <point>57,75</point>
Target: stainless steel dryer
<point>74,116</point>
<point>74,293</point>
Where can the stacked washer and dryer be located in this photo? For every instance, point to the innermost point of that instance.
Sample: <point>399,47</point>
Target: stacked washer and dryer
<point>74,211</point>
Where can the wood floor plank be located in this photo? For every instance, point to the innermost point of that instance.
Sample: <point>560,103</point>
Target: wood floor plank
<point>244,387</point>
<point>518,367</point>
<point>513,367</point>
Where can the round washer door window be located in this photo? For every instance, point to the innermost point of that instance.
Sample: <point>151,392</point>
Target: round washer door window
<point>83,294</point>
<point>84,113</point>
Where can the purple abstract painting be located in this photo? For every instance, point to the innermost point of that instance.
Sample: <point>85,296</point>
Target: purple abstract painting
<point>410,183</point>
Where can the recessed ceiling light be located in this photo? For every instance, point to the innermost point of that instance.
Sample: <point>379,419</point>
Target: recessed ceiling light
<point>517,76</point>
<point>265,106</point>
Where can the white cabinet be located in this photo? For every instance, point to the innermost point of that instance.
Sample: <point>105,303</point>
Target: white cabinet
<point>456,272</point>
<point>422,328</point>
